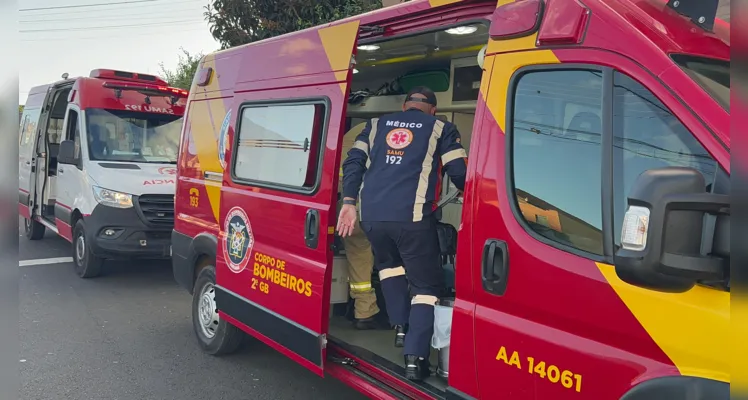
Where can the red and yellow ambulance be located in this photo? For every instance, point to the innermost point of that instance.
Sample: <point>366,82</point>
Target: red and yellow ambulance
<point>592,253</point>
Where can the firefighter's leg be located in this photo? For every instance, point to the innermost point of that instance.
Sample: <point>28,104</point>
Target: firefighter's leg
<point>361,260</point>
<point>391,273</point>
<point>419,248</point>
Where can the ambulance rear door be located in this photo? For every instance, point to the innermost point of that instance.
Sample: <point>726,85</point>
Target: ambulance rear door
<point>278,148</point>
<point>27,157</point>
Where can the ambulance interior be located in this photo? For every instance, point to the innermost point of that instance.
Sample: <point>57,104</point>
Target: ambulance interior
<point>55,134</point>
<point>447,61</point>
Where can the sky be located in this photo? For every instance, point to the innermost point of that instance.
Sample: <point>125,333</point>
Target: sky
<point>77,36</point>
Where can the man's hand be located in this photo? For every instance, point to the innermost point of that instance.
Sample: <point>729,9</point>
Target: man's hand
<point>346,220</point>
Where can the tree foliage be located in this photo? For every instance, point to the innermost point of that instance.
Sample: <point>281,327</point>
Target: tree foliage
<point>237,22</point>
<point>182,76</point>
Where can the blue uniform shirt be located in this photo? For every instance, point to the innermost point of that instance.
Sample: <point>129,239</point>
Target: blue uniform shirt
<point>396,164</point>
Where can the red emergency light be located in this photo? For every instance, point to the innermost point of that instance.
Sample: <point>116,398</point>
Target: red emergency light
<point>174,94</point>
<point>127,76</point>
<point>174,91</point>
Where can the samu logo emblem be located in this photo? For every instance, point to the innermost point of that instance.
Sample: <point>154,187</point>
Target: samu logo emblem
<point>238,240</point>
<point>399,138</point>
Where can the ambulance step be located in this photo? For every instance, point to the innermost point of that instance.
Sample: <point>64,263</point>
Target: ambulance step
<point>350,365</point>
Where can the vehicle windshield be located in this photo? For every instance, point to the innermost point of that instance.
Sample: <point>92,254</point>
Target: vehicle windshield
<point>711,74</point>
<point>131,136</point>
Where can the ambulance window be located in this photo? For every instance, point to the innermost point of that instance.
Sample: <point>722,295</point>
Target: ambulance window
<point>29,129</point>
<point>556,155</point>
<point>647,135</point>
<point>77,140</point>
<point>279,144</point>
<point>73,131</point>
<point>24,139</point>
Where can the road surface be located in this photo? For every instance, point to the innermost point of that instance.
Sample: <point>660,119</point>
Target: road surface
<point>128,336</point>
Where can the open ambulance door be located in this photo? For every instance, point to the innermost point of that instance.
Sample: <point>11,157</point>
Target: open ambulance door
<point>278,196</point>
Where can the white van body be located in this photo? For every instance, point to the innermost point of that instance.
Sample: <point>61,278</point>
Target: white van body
<point>103,176</point>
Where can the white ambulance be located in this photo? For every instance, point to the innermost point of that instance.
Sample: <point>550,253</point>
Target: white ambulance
<point>97,165</point>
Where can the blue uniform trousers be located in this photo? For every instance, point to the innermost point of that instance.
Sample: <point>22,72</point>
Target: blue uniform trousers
<point>407,254</point>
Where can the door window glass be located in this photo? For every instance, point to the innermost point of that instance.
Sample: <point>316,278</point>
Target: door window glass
<point>72,124</point>
<point>28,127</point>
<point>279,144</point>
<point>77,140</point>
<point>647,135</point>
<point>73,131</point>
<point>24,137</point>
<point>556,145</point>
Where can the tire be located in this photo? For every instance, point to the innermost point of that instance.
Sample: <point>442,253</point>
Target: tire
<point>33,229</point>
<point>214,335</point>
<point>87,265</point>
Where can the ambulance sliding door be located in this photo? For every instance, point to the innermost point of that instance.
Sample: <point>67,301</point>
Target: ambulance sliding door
<point>277,208</point>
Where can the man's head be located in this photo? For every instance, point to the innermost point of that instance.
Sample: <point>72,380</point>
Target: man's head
<point>422,98</point>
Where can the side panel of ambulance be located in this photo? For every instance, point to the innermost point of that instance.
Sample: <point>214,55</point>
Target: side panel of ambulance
<point>270,274</point>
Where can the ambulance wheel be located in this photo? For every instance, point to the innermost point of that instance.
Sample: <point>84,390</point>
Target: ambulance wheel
<point>34,230</point>
<point>87,265</point>
<point>214,335</point>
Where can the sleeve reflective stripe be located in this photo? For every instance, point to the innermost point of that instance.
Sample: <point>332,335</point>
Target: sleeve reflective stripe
<point>426,166</point>
<point>361,146</point>
<point>372,136</point>
<point>391,273</point>
<point>453,155</point>
<point>424,299</point>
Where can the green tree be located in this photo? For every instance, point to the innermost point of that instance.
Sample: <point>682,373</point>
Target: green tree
<point>182,76</point>
<point>20,108</point>
<point>237,22</point>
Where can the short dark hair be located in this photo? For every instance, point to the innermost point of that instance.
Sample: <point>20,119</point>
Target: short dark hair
<point>424,91</point>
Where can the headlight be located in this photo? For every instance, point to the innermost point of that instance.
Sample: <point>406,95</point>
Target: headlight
<point>111,198</point>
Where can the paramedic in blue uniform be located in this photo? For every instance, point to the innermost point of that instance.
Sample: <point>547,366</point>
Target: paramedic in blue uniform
<point>394,171</point>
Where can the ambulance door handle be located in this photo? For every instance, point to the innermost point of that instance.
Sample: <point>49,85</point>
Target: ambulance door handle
<point>311,229</point>
<point>495,266</point>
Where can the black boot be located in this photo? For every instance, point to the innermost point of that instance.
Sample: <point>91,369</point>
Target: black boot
<point>400,332</point>
<point>416,369</point>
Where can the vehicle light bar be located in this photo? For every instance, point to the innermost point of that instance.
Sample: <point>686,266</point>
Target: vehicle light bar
<point>148,90</point>
<point>126,76</point>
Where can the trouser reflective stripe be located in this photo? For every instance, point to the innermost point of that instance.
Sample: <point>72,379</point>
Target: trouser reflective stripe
<point>360,287</point>
<point>395,290</point>
<point>391,273</point>
<point>418,339</point>
<point>424,299</point>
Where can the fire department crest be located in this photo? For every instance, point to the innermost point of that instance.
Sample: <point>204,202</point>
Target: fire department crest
<point>399,138</point>
<point>238,240</point>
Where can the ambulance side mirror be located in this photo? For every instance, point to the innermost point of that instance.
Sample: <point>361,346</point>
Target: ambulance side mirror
<point>67,153</point>
<point>663,230</point>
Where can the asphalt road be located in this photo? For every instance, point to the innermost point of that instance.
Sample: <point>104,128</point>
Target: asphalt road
<point>127,335</point>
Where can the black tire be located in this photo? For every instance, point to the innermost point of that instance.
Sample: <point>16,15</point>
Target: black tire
<point>214,335</point>
<point>87,265</point>
<point>33,229</point>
